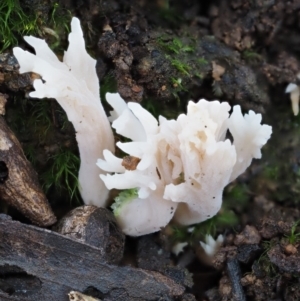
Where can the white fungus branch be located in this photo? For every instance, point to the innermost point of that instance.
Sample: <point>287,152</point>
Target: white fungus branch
<point>74,84</point>
<point>211,246</point>
<point>294,91</point>
<point>184,164</point>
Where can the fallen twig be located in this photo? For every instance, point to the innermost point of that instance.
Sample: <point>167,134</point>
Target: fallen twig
<point>19,183</point>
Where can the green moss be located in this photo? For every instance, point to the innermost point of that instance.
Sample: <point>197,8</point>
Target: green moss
<point>176,46</point>
<point>126,196</point>
<point>225,219</point>
<point>271,172</point>
<point>264,262</point>
<point>63,174</point>
<point>236,194</point>
<point>251,56</point>
<point>202,61</point>
<point>177,88</point>
<point>294,236</point>
<point>180,234</point>
<point>186,67</point>
<point>14,22</point>
<point>181,67</point>
<point>58,26</point>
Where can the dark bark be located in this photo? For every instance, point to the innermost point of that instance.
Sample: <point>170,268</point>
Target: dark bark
<point>62,265</point>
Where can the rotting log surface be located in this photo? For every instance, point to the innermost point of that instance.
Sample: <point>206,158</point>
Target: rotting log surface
<point>19,185</point>
<point>62,265</point>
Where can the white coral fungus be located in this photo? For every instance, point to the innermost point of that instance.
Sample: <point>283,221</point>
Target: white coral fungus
<point>181,166</point>
<point>294,91</point>
<point>211,246</point>
<point>74,84</point>
<point>184,164</point>
<point>178,247</point>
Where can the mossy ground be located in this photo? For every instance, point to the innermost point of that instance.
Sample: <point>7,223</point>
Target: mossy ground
<point>18,20</point>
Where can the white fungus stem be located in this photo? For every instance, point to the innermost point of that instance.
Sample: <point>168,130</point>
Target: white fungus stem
<point>295,101</point>
<point>75,85</point>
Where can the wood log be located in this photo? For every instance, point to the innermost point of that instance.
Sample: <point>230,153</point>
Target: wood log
<point>60,264</point>
<point>19,186</point>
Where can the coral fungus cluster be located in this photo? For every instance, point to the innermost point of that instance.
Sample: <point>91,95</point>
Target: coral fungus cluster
<point>175,169</point>
<point>183,165</point>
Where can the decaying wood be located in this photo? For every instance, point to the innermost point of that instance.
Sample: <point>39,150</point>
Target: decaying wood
<point>94,226</point>
<point>19,185</point>
<point>63,265</point>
